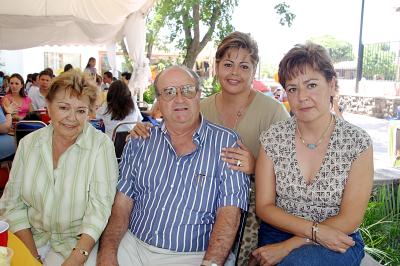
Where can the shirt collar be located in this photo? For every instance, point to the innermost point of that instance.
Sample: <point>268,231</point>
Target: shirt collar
<point>84,139</point>
<point>198,135</point>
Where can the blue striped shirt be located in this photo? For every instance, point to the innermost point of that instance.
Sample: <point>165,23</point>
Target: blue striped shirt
<point>176,197</point>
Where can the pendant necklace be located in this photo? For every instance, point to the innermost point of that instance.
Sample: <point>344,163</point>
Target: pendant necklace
<point>239,113</point>
<point>313,146</point>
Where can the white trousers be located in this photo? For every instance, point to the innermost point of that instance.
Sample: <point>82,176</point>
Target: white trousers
<point>134,252</point>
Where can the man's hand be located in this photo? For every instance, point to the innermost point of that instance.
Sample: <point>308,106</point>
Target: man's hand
<point>107,259</point>
<point>141,130</point>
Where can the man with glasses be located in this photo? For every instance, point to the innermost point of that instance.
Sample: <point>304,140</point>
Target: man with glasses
<point>177,203</point>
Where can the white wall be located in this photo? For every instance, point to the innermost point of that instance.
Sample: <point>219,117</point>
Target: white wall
<point>32,60</point>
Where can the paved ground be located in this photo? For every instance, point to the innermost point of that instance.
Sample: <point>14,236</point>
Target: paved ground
<point>378,130</point>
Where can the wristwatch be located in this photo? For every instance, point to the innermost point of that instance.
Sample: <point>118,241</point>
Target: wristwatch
<point>208,263</point>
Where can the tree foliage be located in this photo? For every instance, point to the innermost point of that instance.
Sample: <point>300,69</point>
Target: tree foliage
<point>338,50</point>
<point>379,62</point>
<point>193,23</point>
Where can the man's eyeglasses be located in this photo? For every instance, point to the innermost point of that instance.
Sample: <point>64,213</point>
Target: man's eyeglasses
<point>188,91</point>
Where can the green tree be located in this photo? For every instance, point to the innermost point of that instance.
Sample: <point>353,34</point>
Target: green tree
<point>379,62</point>
<point>338,50</point>
<point>185,18</point>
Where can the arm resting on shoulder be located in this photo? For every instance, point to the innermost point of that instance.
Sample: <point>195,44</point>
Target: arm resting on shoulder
<point>116,228</point>
<point>223,234</point>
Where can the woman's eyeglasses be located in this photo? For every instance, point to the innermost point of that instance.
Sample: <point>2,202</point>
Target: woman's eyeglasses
<point>188,91</point>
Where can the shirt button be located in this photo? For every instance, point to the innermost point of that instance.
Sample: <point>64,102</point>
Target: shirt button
<point>156,232</point>
<point>172,186</point>
<point>163,209</point>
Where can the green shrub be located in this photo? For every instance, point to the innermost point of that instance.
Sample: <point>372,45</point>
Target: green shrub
<point>381,225</point>
<point>149,94</point>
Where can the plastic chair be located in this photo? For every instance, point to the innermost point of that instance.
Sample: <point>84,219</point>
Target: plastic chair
<point>24,127</point>
<point>98,124</point>
<point>119,139</point>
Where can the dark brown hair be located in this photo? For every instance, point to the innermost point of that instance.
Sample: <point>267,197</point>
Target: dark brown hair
<point>303,55</point>
<point>78,83</point>
<point>21,79</point>
<point>238,39</point>
<point>119,100</point>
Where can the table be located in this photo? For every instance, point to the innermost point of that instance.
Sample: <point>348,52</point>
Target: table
<point>22,256</point>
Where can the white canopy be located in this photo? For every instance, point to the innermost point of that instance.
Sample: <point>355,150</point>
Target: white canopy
<point>30,23</point>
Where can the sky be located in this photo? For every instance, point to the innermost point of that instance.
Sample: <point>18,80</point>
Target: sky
<point>339,18</point>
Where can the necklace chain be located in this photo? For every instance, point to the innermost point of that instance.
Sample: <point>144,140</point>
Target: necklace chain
<point>239,113</point>
<point>313,146</point>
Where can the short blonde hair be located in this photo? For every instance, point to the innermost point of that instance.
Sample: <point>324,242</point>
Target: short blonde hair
<point>78,83</point>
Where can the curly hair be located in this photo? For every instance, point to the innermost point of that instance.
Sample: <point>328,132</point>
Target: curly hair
<point>119,101</point>
<point>78,83</point>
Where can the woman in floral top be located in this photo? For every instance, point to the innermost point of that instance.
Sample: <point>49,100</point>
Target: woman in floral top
<point>314,172</point>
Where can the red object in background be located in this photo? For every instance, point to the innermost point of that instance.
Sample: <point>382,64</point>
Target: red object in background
<point>4,174</point>
<point>260,86</point>
<point>44,116</point>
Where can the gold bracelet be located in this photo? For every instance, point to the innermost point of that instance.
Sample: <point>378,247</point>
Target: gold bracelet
<point>81,251</point>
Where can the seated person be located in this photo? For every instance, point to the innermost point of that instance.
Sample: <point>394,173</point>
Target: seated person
<point>17,97</point>
<point>177,203</point>
<point>119,107</point>
<point>63,178</point>
<point>38,96</point>
<point>7,143</point>
<point>314,172</point>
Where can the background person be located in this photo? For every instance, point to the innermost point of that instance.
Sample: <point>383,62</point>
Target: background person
<point>119,107</point>
<point>63,178</point>
<point>38,96</point>
<point>314,172</point>
<point>17,97</point>
<point>7,143</point>
<point>91,67</point>
<point>125,77</point>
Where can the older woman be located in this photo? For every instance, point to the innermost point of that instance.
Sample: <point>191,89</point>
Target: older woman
<point>243,109</point>
<point>314,172</point>
<point>63,178</point>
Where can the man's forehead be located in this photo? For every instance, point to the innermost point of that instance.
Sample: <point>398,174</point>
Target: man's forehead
<point>176,75</point>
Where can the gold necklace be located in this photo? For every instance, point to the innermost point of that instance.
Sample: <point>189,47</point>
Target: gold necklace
<point>313,146</point>
<point>239,113</point>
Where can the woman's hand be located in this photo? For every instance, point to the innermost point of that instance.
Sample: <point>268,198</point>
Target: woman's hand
<point>333,239</point>
<point>140,130</point>
<point>271,254</point>
<point>240,159</point>
<point>74,260</point>
<point>10,108</point>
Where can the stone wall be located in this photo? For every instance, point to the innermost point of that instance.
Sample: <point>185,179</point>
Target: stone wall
<point>380,107</point>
